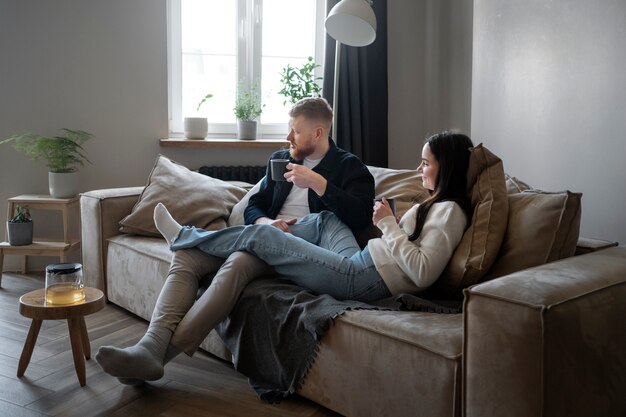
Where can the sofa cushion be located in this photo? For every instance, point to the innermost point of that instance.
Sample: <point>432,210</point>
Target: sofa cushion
<point>403,363</point>
<point>236,215</point>
<point>543,227</point>
<point>193,199</point>
<point>481,242</point>
<point>515,185</point>
<point>405,185</point>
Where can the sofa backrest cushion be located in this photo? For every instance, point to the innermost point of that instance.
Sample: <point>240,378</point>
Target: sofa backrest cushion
<point>481,242</point>
<point>543,227</point>
<point>515,185</point>
<point>405,185</point>
<point>193,199</point>
<point>236,215</point>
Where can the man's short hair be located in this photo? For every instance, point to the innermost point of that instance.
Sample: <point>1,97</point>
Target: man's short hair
<point>313,108</point>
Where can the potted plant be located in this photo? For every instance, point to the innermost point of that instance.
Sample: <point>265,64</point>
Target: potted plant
<point>20,227</point>
<point>248,108</point>
<point>298,83</point>
<point>197,127</point>
<point>63,156</point>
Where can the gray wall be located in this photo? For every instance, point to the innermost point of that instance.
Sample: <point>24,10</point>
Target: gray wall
<point>549,97</point>
<point>430,73</point>
<point>95,65</point>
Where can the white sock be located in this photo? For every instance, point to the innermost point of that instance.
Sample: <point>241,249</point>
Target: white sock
<point>166,224</point>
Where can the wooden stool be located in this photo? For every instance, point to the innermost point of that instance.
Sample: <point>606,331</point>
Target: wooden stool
<point>33,305</point>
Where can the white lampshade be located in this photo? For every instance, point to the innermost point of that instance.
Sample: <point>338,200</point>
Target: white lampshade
<point>352,22</point>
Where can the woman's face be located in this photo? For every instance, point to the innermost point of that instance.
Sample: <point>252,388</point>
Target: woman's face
<point>429,168</point>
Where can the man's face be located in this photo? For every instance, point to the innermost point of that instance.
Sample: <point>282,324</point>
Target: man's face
<point>303,136</point>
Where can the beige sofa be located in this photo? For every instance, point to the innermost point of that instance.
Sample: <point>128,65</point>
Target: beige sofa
<point>544,341</point>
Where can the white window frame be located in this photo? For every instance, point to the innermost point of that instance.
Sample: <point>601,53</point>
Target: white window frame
<point>248,63</point>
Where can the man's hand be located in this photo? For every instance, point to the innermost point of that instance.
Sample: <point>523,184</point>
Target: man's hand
<point>277,223</point>
<point>304,177</point>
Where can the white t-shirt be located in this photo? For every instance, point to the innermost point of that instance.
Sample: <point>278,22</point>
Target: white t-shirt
<point>297,202</point>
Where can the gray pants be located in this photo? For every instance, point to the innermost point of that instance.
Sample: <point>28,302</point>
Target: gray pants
<point>191,320</point>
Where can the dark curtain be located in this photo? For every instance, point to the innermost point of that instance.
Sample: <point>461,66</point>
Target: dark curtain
<point>362,108</point>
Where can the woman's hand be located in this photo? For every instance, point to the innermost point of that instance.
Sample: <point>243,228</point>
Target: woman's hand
<point>381,210</point>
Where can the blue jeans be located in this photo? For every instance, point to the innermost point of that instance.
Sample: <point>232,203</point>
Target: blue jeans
<point>321,254</point>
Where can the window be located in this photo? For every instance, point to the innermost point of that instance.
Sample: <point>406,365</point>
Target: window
<point>216,45</point>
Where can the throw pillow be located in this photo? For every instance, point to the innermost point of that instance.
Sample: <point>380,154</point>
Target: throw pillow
<point>236,215</point>
<point>515,185</point>
<point>192,198</point>
<point>543,227</point>
<point>481,242</point>
<point>405,185</point>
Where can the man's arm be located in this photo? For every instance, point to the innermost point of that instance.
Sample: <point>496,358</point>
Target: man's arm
<point>350,196</point>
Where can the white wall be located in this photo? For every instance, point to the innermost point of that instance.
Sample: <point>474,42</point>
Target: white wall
<point>430,73</point>
<point>549,97</point>
<point>100,66</point>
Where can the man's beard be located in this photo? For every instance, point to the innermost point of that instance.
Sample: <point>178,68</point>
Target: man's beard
<point>301,152</point>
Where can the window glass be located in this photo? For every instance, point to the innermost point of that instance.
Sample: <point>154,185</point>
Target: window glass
<point>205,52</point>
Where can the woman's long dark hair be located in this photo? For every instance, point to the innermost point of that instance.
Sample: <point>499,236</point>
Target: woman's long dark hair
<point>452,152</point>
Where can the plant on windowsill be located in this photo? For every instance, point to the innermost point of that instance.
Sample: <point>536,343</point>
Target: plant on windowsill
<point>247,109</point>
<point>298,83</point>
<point>20,227</point>
<point>63,156</point>
<point>197,127</point>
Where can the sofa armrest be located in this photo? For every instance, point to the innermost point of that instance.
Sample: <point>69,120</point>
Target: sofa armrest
<point>548,341</point>
<point>101,212</point>
<point>587,244</point>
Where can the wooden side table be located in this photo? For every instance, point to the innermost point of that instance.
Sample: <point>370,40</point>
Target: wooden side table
<point>70,210</point>
<point>34,306</point>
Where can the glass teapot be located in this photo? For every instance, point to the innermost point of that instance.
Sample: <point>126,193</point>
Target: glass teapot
<point>64,283</point>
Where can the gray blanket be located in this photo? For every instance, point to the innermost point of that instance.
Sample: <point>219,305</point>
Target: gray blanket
<point>275,329</point>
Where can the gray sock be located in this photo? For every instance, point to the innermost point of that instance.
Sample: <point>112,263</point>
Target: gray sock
<point>170,354</point>
<point>142,361</point>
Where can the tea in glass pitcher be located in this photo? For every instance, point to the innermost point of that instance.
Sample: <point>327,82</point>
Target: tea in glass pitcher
<point>64,283</point>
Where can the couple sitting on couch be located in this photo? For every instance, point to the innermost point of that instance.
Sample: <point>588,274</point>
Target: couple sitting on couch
<point>318,251</point>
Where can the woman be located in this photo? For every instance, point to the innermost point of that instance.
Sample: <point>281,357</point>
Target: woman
<point>321,253</point>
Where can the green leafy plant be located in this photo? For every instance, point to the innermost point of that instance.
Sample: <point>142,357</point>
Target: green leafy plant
<point>298,83</point>
<point>248,103</point>
<point>61,153</point>
<point>22,215</point>
<point>204,99</point>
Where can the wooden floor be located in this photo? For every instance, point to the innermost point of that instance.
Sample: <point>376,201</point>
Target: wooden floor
<point>198,386</point>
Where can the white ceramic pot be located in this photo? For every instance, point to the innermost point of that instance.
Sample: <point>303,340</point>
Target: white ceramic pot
<point>196,127</point>
<point>246,129</point>
<point>63,184</point>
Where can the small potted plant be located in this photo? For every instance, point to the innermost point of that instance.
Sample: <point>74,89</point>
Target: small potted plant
<point>298,83</point>
<point>63,156</point>
<point>247,109</point>
<point>197,127</point>
<point>20,227</point>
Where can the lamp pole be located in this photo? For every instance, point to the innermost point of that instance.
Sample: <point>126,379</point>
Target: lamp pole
<point>353,23</point>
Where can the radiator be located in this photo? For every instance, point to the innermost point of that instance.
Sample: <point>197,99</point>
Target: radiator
<point>251,174</point>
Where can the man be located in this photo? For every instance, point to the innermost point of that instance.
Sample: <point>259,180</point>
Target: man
<point>320,177</point>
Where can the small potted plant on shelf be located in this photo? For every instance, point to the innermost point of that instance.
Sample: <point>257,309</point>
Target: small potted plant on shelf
<point>197,127</point>
<point>20,227</point>
<point>63,155</point>
<point>248,108</point>
<point>298,83</point>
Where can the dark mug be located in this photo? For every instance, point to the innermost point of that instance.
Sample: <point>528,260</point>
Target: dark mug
<point>278,167</point>
<point>391,201</point>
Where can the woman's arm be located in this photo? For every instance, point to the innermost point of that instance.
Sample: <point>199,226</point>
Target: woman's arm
<point>424,259</point>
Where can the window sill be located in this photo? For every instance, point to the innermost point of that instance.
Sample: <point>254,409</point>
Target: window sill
<point>222,143</point>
